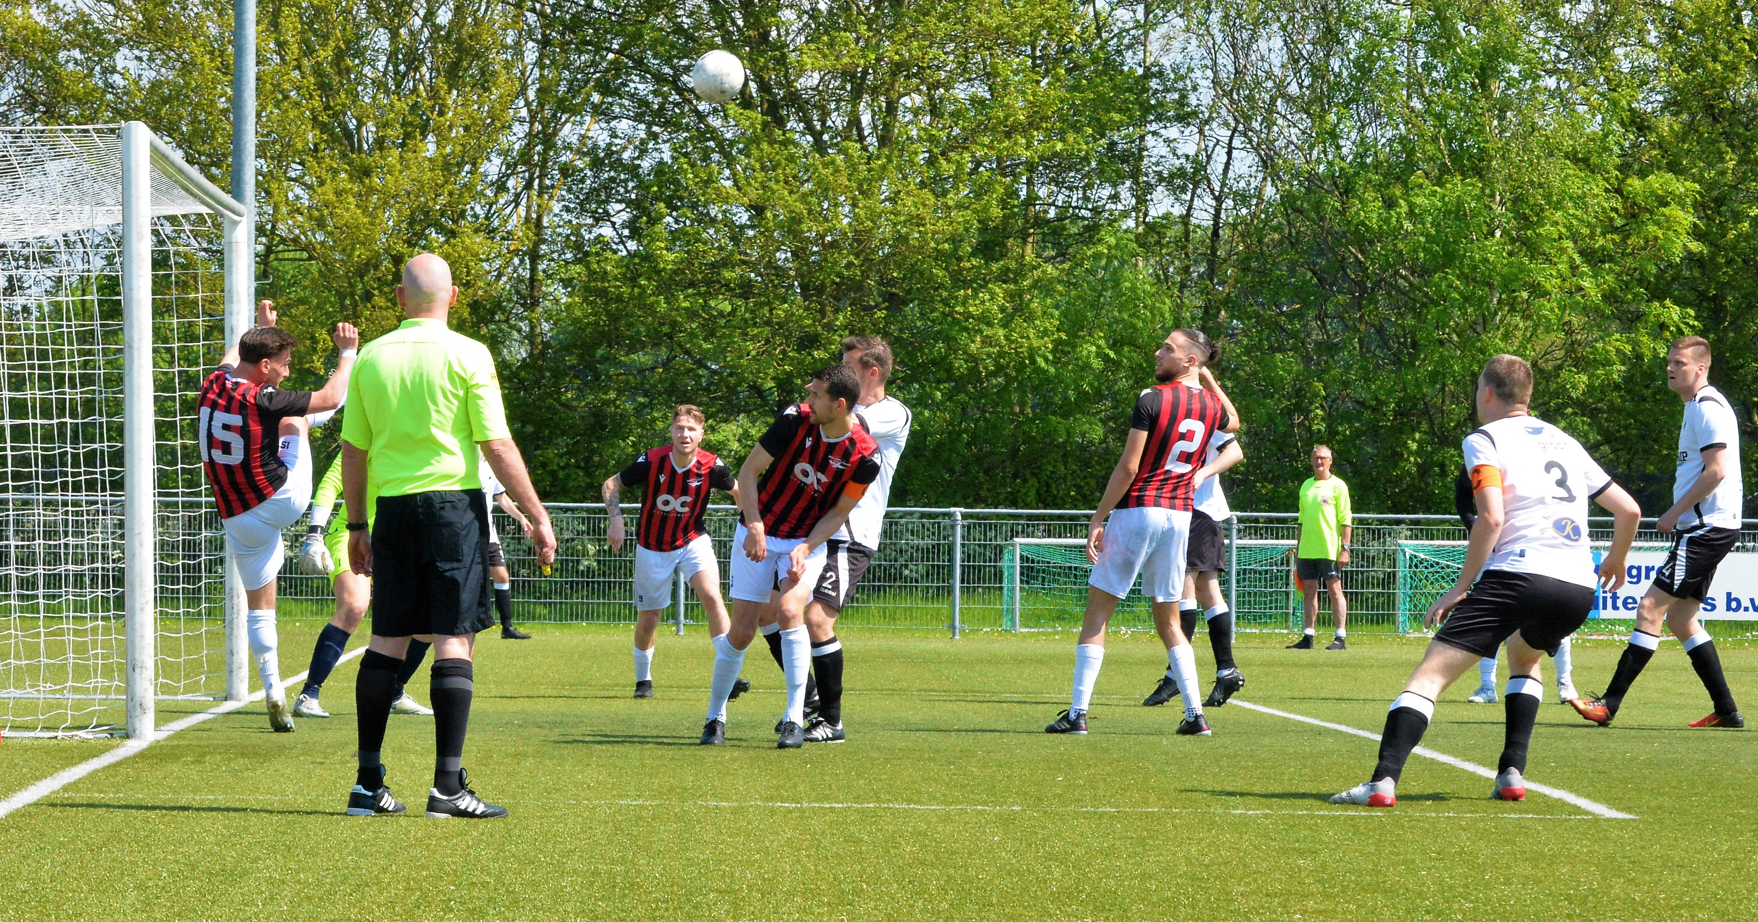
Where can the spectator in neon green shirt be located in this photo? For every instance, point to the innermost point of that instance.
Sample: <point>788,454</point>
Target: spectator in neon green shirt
<point>1321,546</point>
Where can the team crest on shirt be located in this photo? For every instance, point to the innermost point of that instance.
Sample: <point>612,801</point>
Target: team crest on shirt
<point>837,463</point>
<point>1567,529</point>
<point>695,481</point>
<point>809,441</point>
<point>1534,430</point>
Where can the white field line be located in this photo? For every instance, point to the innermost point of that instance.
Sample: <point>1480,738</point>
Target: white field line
<point>1594,807</point>
<point>1004,808</point>
<point>66,777</point>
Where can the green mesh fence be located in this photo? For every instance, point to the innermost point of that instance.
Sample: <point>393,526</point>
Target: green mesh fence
<point>1044,587</point>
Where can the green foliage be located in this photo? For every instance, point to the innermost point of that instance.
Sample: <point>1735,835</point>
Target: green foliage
<point>1363,200</point>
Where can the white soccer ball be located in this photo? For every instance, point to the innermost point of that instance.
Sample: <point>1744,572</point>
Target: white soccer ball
<point>718,76</point>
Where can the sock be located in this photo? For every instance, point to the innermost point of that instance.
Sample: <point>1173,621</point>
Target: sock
<point>372,704</point>
<point>796,666</point>
<point>411,662</point>
<point>1220,619</point>
<point>1521,706</point>
<point>259,624</point>
<point>1088,657</point>
<point>1184,664</point>
<point>503,603</point>
<point>1405,723</point>
<point>1171,664</point>
<point>827,666</point>
<point>452,686</point>
<point>1310,632</point>
<point>644,664</point>
<point>1187,609</point>
<point>1565,665</point>
<point>1707,662</point>
<point>1341,634</point>
<point>1636,656</point>
<point>727,663</point>
<point>330,643</point>
<point>1486,672</point>
<point>772,636</point>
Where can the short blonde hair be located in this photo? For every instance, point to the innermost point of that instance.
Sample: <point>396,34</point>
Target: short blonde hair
<point>1693,344</point>
<point>691,412</point>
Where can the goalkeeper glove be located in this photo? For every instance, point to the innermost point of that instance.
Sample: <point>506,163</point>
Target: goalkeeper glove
<point>314,557</point>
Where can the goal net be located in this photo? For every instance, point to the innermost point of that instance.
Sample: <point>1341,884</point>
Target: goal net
<point>1428,568</point>
<point>1044,586</point>
<point>112,308</point>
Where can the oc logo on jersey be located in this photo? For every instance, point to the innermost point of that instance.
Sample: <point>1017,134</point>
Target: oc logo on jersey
<point>668,503</point>
<point>810,477</point>
<point>1567,529</point>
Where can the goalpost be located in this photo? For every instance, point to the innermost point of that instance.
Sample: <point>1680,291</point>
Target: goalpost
<point>123,273</point>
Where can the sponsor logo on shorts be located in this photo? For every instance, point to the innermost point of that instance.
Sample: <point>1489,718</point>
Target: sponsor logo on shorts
<point>1567,529</point>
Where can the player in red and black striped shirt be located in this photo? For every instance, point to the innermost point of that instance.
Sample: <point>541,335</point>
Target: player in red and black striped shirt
<point>254,449</point>
<point>1151,491</point>
<point>815,462</point>
<point>675,480</point>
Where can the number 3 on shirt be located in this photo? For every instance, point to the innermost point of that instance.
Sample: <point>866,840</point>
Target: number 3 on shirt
<point>222,428</point>
<point>1178,461</point>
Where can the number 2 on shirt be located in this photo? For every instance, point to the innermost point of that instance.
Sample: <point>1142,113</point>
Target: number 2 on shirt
<point>1178,460</point>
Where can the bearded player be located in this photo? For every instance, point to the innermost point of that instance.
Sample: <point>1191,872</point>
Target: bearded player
<point>257,457</point>
<point>670,540</point>
<point>816,461</point>
<point>1152,491</point>
<point>1528,579</point>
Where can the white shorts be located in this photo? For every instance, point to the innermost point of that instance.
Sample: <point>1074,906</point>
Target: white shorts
<point>654,569</point>
<point>254,536</point>
<point>752,581</point>
<point>1145,540</point>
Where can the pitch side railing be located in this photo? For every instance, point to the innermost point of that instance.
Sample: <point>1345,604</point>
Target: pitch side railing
<point>946,568</point>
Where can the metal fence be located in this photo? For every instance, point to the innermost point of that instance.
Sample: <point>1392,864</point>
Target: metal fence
<point>946,569</point>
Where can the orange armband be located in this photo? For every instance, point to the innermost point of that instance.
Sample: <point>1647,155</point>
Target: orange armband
<point>1485,476</point>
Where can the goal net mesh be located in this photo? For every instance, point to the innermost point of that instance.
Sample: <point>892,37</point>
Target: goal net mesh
<point>1044,587</point>
<point>62,637</point>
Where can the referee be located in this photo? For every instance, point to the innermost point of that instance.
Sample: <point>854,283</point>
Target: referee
<point>425,400</point>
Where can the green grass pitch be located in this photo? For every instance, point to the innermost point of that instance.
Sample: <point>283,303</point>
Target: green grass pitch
<point>948,801</point>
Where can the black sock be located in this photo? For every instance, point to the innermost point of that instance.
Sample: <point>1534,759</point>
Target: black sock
<point>330,643</point>
<point>411,661</point>
<point>1707,662</point>
<point>372,704</point>
<point>1522,712</point>
<point>773,639</point>
<point>452,687</point>
<point>1221,639</point>
<point>1187,622</point>
<point>827,666</point>
<point>1630,666</point>
<point>1404,729</point>
<point>503,603</point>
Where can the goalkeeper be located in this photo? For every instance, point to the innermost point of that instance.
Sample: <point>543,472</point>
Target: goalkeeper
<point>326,552</point>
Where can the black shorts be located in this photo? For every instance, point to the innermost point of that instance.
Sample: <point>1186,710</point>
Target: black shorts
<point>496,557</point>
<point>1543,609</point>
<point>430,564</point>
<point>1690,566</point>
<point>1206,549</point>
<point>845,562</point>
<point>1319,568</point>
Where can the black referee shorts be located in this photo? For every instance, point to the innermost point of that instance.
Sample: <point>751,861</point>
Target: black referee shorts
<point>1690,567</point>
<point>430,564</point>
<point>1543,609</point>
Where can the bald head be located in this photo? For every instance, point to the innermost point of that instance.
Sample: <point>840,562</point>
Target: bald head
<point>427,288</point>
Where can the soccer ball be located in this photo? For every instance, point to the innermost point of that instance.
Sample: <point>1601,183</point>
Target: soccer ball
<point>718,76</point>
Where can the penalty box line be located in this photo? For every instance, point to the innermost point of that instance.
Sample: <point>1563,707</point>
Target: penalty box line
<point>67,776</point>
<point>1594,807</point>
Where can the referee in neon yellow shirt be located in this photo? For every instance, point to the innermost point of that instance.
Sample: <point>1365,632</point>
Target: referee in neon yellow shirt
<point>1321,546</point>
<point>425,400</point>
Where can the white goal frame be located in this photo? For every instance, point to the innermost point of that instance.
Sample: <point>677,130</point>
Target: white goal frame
<point>147,161</point>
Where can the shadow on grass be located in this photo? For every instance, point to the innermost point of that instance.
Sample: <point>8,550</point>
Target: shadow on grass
<point>187,808</point>
<point>626,739</point>
<point>1308,795</point>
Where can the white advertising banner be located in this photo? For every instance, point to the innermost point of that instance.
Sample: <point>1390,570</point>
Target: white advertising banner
<point>1733,594</point>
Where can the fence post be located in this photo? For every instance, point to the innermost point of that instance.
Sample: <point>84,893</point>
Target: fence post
<point>1233,562</point>
<point>679,576</point>
<point>957,576</point>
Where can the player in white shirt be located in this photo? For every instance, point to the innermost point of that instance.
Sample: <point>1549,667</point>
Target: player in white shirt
<point>1705,520</point>
<point>497,558</point>
<point>848,554</point>
<point>1205,556</point>
<point>1528,577</point>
